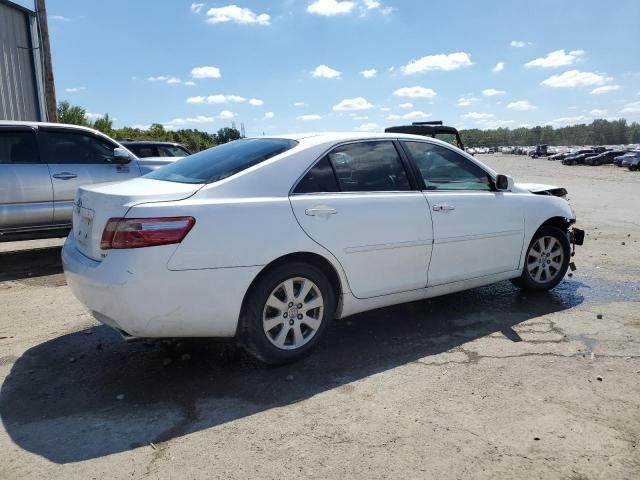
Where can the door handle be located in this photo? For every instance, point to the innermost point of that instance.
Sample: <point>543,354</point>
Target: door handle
<point>65,175</point>
<point>312,212</point>
<point>443,207</point>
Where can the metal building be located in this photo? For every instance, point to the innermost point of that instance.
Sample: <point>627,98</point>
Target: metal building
<point>22,94</point>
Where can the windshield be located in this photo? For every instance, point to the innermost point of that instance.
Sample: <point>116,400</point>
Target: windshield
<point>222,161</point>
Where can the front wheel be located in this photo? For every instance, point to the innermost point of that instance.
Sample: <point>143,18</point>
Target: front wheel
<point>546,261</point>
<point>286,313</point>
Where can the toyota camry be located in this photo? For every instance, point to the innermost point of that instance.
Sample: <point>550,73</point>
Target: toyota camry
<point>269,239</point>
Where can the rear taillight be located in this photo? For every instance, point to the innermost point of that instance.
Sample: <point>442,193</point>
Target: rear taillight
<point>144,232</point>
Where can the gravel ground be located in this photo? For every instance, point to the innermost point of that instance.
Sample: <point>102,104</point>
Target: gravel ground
<point>489,383</point>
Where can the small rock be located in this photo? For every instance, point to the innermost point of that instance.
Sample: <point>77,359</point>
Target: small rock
<point>599,316</point>
<point>289,378</point>
<point>628,235</point>
<point>185,357</point>
<point>167,361</point>
<point>536,438</point>
<point>622,243</point>
<point>120,396</point>
<point>72,360</point>
<point>570,274</point>
<point>599,378</point>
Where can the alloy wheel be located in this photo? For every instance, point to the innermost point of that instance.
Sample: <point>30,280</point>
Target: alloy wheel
<point>545,259</point>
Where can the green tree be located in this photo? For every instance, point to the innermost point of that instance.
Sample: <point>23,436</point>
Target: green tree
<point>104,124</point>
<point>73,115</point>
<point>227,134</point>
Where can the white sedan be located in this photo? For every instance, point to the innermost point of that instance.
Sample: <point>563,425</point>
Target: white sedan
<point>269,239</point>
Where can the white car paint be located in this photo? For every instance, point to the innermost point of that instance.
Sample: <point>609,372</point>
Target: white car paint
<point>385,247</point>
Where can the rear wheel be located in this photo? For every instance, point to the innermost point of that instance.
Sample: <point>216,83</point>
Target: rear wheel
<point>546,261</point>
<point>287,312</point>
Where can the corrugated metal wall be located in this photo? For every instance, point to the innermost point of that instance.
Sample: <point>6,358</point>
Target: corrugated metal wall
<point>18,93</point>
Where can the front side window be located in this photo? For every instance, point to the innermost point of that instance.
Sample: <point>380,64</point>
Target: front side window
<point>444,169</point>
<point>369,167</point>
<point>18,147</point>
<point>217,163</point>
<point>75,148</point>
<point>143,151</point>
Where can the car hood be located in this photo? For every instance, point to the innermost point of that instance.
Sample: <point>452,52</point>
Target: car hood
<point>541,189</point>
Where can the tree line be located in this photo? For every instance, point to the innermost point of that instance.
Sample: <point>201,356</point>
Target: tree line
<point>194,140</point>
<point>598,132</point>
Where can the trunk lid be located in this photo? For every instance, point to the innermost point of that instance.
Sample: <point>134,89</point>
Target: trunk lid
<point>95,205</point>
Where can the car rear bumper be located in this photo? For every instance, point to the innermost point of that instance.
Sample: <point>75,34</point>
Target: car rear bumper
<point>133,291</point>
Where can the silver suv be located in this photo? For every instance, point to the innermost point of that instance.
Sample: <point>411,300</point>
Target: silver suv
<point>43,164</point>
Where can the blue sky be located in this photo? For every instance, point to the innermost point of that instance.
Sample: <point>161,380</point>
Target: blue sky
<point>308,65</point>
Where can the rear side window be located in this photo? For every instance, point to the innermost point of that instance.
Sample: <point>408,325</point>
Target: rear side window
<point>18,147</point>
<point>320,179</point>
<point>222,161</point>
<point>172,151</point>
<point>75,148</point>
<point>369,167</point>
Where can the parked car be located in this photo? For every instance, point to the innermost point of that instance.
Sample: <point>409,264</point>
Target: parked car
<point>631,160</point>
<point>577,157</point>
<point>619,160</point>
<point>153,149</point>
<point>558,156</point>
<point>604,158</point>
<point>539,151</point>
<point>43,164</point>
<point>269,239</point>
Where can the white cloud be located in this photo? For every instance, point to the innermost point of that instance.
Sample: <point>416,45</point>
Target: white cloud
<point>385,109</point>
<point>496,123</point>
<point>568,120</point>
<point>557,58</point>
<point>415,115</point>
<point>93,116</point>
<point>359,117</point>
<point>329,8</point>
<point>311,117</point>
<point>415,92</point>
<point>256,102</point>
<point>521,105</point>
<point>189,120</point>
<point>466,101</point>
<point>368,127</point>
<point>477,116</point>
<point>197,7</point>
<point>219,98</point>
<point>604,89</point>
<point>206,72</point>
<point>159,78</point>
<point>576,78</point>
<point>59,18</point>
<point>633,107</point>
<point>393,116</point>
<point>234,13</point>
<point>370,73</point>
<point>268,115</point>
<point>498,68</point>
<point>173,80</point>
<point>406,105</point>
<point>375,5</point>
<point>598,113</point>
<point>441,61</point>
<point>519,43</point>
<point>190,83</point>
<point>323,71</point>
<point>492,92</point>
<point>299,104</point>
<point>226,114</point>
<point>391,68</point>
<point>372,4</point>
<point>74,89</point>
<point>351,104</point>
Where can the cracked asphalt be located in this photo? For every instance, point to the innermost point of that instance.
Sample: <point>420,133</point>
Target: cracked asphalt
<point>488,383</point>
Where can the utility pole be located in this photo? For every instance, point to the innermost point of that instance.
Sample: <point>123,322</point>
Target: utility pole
<point>47,68</point>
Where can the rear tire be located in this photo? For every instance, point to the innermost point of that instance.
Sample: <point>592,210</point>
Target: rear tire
<point>286,313</point>
<point>546,261</point>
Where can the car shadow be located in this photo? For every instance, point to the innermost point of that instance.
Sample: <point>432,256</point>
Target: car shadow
<point>35,262</point>
<point>89,394</point>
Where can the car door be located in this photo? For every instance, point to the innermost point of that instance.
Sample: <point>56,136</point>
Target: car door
<point>26,194</point>
<point>359,203</point>
<point>78,158</point>
<point>477,230</point>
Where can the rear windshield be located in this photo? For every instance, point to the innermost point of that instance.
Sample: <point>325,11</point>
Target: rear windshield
<point>223,161</point>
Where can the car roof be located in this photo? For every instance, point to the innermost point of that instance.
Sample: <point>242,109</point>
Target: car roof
<point>19,123</point>
<point>148,142</point>
<point>326,137</point>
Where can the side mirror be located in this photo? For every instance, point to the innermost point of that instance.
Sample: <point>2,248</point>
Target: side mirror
<point>504,183</point>
<point>121,156</point>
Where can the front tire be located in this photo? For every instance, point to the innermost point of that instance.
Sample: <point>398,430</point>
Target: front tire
<point>286,313</point>
<point>546,261</point>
